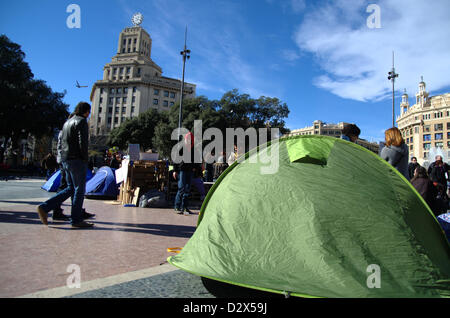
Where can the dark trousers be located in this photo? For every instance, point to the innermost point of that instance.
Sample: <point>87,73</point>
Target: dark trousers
<point>76,186</point>
<point>184,190</point>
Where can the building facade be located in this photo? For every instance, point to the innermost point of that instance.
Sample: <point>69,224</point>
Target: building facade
<point>132,83</point>
<point>332,130</point>
<point>425,126</point>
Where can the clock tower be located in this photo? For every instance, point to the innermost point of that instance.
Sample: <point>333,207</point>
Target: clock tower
<point>132,83</point>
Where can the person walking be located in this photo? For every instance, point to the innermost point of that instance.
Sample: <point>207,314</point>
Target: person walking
<point>58,214</point>
<point>74,158</point>
<point>395,151</point>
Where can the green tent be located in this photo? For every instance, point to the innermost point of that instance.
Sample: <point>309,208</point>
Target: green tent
<point>335,220</point>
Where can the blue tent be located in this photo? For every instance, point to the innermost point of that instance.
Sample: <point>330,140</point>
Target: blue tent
<point>52,184</point>
<point>103,184</point>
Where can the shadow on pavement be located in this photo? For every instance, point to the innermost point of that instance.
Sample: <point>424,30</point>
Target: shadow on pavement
<point>224,290</point>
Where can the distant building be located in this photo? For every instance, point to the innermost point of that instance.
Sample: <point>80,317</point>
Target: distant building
<point>332,130</point>
<point>425,126</point>
<point>132,83</point>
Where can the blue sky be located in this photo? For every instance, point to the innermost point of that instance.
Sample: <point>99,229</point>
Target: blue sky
<point>320,57</point>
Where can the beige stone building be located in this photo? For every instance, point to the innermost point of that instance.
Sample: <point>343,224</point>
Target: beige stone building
<point>425,126</point>
<point>132,83</point>
<point>332,130</point>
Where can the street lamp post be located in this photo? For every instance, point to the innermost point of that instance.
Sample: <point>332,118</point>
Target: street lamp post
<point>391,77</point>
<point>186,55</point>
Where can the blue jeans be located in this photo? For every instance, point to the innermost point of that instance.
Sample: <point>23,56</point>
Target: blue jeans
<point>76,186</point>
<point>184,190</point>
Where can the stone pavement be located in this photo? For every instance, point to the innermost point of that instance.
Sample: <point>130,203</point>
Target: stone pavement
<point>126,246</point>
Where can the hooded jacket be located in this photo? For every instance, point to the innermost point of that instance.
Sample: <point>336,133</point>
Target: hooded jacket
<point>397,156</point>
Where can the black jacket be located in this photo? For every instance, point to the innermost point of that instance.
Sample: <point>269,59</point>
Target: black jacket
<point>74,139</point>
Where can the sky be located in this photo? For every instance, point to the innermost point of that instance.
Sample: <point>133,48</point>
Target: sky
<point>327,60</point>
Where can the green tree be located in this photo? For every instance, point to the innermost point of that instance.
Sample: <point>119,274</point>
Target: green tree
<point>28,106</point>
<point>139,130</point>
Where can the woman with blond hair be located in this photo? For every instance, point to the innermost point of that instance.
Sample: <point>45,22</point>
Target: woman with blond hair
<point>396,151</point>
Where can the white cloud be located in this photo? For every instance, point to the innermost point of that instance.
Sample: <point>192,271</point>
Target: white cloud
<point>355,58</point>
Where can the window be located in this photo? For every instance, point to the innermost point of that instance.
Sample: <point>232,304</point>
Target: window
<point>426,137</point>
<point>111,99</point>
<point>124,109</point>
<point>426,128</point>
<point>110,110</point>
<point>439,144</point>
<point>438,136</point>
<point>166,93</point>
<point>438,127</point>
<point>124,100</point>
<point>411,139</point>
<point>101,100</point>
<point>155,102</point>
<point>119,90</point>
<point>111,90</point>
<point>134,89</point>
<point>156,92</point>
<point>114,71</point>
<point>133,99</point>
<point>416,130</point>
<point>427,146</point>
<point>425,155</point>
<point>116,120</point>
<point>448,125</point>
<point>125,90</point>
<point>166,103</point>
<point>128,70</point>
<point>117,100</point>
<point>411,147</point>
<point>121,70</point>
<point>138,72</point>
<point>132,109</point>
<point>116,109</point>
<point>101,90</point>
<point>99,110</point>
<point>171,103</point>
<point>172,95</point>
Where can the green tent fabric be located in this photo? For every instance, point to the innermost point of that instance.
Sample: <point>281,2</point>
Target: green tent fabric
<point>335,220</point>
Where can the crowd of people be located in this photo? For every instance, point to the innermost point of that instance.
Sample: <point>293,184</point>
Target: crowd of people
<point>431,183</point>
<point>72,160</point>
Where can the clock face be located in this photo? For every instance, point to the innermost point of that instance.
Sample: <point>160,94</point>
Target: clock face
<point>137,19</point>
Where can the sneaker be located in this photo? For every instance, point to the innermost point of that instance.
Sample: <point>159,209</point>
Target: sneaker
<point>187,211</point>
<point>42,215</point>
<point>86,215</point>
<point>83,225</point>
<point>178,211</point>
<point>59,216</point>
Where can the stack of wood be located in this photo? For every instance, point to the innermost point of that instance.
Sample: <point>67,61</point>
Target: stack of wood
<point>142,177</point>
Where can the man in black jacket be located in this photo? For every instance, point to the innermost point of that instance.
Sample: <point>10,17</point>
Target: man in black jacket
<point>74,157</point>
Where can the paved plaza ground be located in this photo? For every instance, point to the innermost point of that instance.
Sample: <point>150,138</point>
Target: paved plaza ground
<point>128,245</point>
